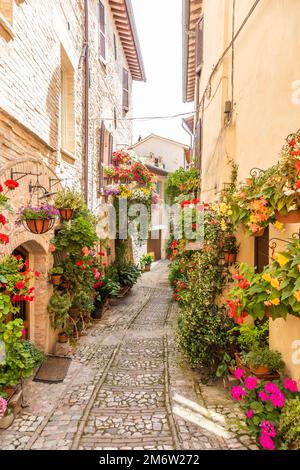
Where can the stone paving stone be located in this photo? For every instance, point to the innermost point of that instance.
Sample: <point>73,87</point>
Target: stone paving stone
<point>147,399</point>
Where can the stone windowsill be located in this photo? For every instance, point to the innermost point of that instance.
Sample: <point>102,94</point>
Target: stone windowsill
<point>68,157</point>
<point>6,26</point>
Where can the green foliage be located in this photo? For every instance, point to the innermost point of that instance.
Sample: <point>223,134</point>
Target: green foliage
<point>128,275</point>
<point>73,237</point>
<point>20,363</point>
<point>69,199</point>
<point>253,336</point>
<point>181,182</point>
<point>230,244</point>
<point>108,289</point>
<point>83,302</point>
<point>146,259</point>
<point>58,308</point>
<point>37,354</point>
<point>262,356</point>
<point>289,424</point>
<point>57,270</point>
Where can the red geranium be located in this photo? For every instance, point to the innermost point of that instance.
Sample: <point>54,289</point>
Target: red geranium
<point>20,285</point>
<point>1,188</point>
<point>298,184</point>
<point>101,253</point>
<point>4,239</point>
<point>297,166</point>
<point>244,284</point>
<point>79,263</point>
<point>2,219</point>
<point>11,184</point>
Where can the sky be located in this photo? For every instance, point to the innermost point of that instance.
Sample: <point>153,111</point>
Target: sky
<point>159,25</point>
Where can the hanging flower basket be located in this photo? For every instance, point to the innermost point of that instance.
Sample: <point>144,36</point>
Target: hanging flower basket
<point>230,258</point>
<point>39,226</point>
<point>66,214</point>
<point>292,217</point>
<point>39,219</point>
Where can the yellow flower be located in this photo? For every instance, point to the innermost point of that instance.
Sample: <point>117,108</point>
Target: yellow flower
<point>282,260</point>
<point>267,277</point>
<point>275,301</point>
<point>278,225</point>
<point>297,295</point>
<point>275,283</point>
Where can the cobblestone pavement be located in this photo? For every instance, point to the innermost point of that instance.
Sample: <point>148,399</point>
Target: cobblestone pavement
<point>129,388</point>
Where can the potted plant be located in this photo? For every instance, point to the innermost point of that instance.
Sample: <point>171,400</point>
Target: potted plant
<point>230,249</point>
<point>6,417</point>
<point>282,188</point>
<point>58,308</point>
<point>146,261</point>
<point>56,273</point>
<point>289,423</point>
<point>39,219</point>
<point>262,362</point>
<point>67,201</point>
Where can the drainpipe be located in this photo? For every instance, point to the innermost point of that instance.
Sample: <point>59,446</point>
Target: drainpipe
<point>86,100</point>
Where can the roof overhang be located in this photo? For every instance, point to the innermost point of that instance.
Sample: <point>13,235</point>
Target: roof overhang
<point>191,12</point>
<point>157,171</point>
<point>125,24</point>
<point>189,123</point>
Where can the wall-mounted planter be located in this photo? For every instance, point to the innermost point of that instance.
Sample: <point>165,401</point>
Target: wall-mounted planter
<point>292,217</point>
<point>39,226</point>
<point>66,214</point>
<point>230,258</point>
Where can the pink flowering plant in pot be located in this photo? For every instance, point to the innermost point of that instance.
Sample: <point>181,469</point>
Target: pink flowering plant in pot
<point>263,402</point>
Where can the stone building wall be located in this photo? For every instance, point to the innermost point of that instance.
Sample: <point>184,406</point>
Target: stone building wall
<point>32,47</point>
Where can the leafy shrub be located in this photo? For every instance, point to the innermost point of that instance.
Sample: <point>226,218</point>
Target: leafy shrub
<point>262,356</point>
<point>289,424</point>
<point>69,199</point>
<point>58,308</point>
<point>181,182</point>
<point>73,237</point>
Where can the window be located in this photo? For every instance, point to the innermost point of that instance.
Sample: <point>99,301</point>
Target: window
<point>125,91</point>
<point>101,156</point>
<point>67,105</point>
<point>199,45</point>
<point>115,119</point>
<point>102,45</point>
<point>115,47</point>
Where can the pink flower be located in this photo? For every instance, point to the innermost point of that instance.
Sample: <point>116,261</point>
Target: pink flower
<point>268,428</point>
<point>24,332</point>
<point>237,393</point>
<point>250,383</point>
<point>263,396</point>
<point>249,414</point>
<point>238,373</point>
<point>3,406</point>
<point>266,442</point>
<point>271,388</point>
<point>51,248</point>
<point>290,385</point>
<point>277,399</point>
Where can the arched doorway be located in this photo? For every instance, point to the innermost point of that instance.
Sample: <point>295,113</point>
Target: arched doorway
<point>24,312</point>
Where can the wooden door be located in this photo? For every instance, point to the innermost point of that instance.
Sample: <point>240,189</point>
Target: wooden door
<point>154,245</point>
<point>262,251</point>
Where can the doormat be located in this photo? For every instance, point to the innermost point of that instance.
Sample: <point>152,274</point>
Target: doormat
<point>53,370</point>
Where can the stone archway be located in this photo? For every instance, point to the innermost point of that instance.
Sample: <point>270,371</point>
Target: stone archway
<point>40,331</point>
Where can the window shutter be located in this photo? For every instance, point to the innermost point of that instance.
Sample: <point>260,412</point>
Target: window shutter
<point>199,44</point>
<point>102,45</point>
<point>110,148</point>
<point>198,142</point>
<point>101,156</point>
<point>125,90</point>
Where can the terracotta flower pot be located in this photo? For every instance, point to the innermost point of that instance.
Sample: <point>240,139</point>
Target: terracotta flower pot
<point>230,258</point>
<point>38,226</point>
<point>292,217</point>
<point>261,370</point>
<point>56,279</point>
<point>7,421</point>
<point>63,338</point>
<point>259,233</point>
<point>66,214</point>
<point>147,267</point>
<point>9,391</point>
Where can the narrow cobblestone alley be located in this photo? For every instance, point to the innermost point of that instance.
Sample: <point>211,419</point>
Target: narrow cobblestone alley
<point>128,388</point>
